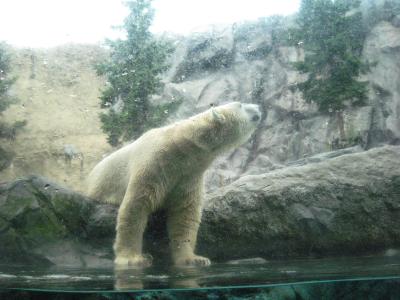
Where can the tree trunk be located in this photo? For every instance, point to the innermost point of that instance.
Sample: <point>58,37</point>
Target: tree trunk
<point>339,116</point>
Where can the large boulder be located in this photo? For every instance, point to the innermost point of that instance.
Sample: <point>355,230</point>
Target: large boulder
<point>42,222</point>
<point>344,205</point>
<point>333,205</point>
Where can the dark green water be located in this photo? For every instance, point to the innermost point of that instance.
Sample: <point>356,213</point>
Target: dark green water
<point>217,276</point>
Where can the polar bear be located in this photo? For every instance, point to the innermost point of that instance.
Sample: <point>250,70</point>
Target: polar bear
<point>163,169</point>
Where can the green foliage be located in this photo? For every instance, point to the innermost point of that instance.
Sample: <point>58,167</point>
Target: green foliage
<point>5,80</point>
<point>133,76</point>
<point>7,131</point>
<point>378,11</point>
<point>332,34</point>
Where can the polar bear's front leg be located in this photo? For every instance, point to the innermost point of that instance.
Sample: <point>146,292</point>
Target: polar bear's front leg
<point>183,223</point>
<point>131,223</point>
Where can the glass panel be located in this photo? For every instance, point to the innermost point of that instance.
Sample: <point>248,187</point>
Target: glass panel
<point>203,146</point>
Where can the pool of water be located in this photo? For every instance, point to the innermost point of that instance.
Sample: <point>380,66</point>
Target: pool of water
<point>217,276</point>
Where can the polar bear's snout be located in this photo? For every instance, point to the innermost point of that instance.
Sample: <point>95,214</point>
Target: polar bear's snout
<point>253,111</point>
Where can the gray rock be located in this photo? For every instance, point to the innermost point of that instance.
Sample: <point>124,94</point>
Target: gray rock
<point>344,205</point>
<point>382,47</point>
<point>324,156</point>
<point>42,222</point>
<point>396,21</point>
<point>205,53</point>
<point>252,42</point>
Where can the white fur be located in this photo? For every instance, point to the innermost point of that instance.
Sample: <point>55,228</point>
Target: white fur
<point>164,169</point>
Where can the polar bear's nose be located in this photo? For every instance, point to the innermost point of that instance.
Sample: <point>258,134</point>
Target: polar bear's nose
<point>253,112</point>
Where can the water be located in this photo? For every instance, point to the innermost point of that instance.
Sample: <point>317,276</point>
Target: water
<point>217,276</point>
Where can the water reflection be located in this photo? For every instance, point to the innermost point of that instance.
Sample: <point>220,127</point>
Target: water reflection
<point>176,277</point>
<point>215,276</point>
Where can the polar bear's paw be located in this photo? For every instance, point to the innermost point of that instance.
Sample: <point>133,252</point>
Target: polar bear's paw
<point>138,261</point>
<point>193,260</point>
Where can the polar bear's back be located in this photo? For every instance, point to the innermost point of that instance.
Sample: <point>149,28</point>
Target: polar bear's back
<point>106,181</point>
<point>109,179</point>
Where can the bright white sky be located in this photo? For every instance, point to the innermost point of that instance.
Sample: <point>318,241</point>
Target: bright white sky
<point>46,23</point>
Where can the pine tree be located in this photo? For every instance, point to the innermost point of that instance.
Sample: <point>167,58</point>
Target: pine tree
<point>133,76</point>
<point>332,35</point>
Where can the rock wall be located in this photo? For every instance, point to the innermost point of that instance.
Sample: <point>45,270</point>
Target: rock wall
<point>249,63</point>
<point>57,91</point>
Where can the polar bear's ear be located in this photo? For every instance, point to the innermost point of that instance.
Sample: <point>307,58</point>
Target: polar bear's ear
<point>218,117</point>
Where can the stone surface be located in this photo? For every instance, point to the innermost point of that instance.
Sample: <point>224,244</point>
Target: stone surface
<point>336,205</point>
<point>58,95</point>
<point>344,205</point>
<point>45,223</point>
<point>396,21</point>
<point>382,47</point>
<point>260,70</point>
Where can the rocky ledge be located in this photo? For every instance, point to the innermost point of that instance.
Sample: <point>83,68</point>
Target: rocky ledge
<point>343,205</point>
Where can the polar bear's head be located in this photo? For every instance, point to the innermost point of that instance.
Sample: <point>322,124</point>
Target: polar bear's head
<point>228,125</point>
